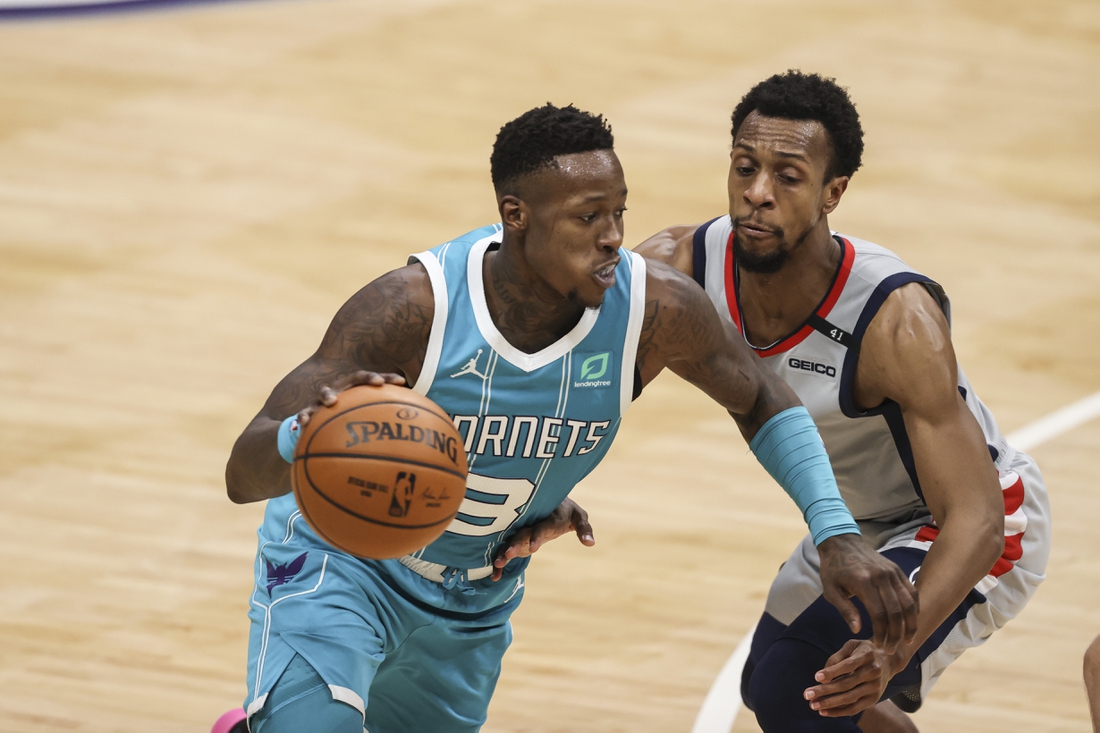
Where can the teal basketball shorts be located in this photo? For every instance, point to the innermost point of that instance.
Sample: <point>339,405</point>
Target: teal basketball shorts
<point>406,652</point>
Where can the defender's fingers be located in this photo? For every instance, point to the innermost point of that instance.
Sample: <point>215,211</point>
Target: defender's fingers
<point>910,599</point>
<point>839,656</point>
<point>839,665</point>
<point>853,701</point>
<point>880,619</point>
<point>845,690</point>
<point>848,612</point>
<point>894,620</point>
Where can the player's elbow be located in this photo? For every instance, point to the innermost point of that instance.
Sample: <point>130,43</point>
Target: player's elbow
<point>239,481</point>
<point>234,488</point>
<point>989,531</point>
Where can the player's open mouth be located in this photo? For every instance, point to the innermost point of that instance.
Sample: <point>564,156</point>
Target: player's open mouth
<point>605,276</point>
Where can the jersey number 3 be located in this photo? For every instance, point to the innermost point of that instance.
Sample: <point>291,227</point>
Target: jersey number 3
<point>491,505</point>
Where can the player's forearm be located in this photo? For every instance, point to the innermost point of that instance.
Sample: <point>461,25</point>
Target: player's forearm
<point>962,554</point>
<point>255,470</point>
<point>789,447</point>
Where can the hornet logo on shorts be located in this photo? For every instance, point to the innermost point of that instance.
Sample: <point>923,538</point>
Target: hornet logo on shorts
<point>282,574</point>
<point>593,369</point>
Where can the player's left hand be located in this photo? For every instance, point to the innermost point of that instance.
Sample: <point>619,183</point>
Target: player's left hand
<point>849,567</point>
<point>568,517</point>
<point>853,679</point>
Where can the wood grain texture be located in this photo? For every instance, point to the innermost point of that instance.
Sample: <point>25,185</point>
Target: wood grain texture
<point>186,197</point>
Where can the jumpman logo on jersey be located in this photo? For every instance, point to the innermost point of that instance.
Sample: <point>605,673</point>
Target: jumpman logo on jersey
<point>517,589</point>
<point>470,368</point>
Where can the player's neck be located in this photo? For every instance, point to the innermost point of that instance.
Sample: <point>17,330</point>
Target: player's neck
<point>526,311</point>
<point>774,305</point>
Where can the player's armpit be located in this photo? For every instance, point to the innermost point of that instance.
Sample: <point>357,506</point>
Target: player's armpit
<point>379,335</point>
<point>673,246</point>
<point>682,330</point>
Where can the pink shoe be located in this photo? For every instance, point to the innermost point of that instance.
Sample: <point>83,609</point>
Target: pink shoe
<point>227,722</point>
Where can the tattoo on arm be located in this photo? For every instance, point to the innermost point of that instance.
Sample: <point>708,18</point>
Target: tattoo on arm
<point>382,328</point>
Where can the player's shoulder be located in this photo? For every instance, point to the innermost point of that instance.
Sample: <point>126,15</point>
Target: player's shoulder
<point>400,300</point>
<point>667,282</point>
<point>673,246</point>
<point>454,248</point>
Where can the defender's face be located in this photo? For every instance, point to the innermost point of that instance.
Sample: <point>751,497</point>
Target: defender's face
<point>777,187</point>
<point>576,225</point>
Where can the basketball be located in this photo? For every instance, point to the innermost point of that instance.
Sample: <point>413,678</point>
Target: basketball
<point>381,473</point>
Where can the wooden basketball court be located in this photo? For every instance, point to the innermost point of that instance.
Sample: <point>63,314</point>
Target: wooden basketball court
<point>187,195</point>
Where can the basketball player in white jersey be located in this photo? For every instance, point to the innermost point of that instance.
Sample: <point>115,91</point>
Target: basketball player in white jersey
<point>535,335</point>
<point>865,342</point>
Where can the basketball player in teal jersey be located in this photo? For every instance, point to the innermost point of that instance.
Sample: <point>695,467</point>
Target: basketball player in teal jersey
<point>534,335</point>
<point>865,343</point>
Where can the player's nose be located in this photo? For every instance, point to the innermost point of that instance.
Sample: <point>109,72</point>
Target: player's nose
<point>759,192</point>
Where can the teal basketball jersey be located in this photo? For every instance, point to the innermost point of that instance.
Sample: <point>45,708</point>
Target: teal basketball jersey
<point>533,424</point>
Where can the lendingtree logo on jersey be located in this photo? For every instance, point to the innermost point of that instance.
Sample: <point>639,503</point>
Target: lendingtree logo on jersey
<point>593,369</point>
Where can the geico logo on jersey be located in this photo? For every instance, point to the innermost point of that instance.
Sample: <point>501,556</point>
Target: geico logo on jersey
<point>592,369</point>
<point>529,437</point>
<point>817,367</point>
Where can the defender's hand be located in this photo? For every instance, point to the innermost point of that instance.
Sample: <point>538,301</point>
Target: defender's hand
<point>568,517</point>
<point>326,397</point>
<point>849,567</point>
<point>853,679</point>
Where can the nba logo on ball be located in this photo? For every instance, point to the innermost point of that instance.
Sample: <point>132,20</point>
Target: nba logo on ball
<point>593,369</point>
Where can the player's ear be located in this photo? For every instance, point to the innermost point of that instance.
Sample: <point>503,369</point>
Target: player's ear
<point>834,189</point>
<point>514,213</point>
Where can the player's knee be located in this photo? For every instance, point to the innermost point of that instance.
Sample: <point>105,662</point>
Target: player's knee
<point>301,701</point>
<point>776,688</point>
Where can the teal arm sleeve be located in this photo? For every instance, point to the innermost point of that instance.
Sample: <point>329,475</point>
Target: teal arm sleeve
<point>789,447</point>
<point>288,438</point>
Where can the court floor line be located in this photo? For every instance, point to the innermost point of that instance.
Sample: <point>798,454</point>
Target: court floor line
<point>723,701</point>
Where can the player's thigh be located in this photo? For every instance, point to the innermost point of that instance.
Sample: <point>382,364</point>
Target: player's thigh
<point>334,615</point>
<point>441,678</point>
<point>302,701</point>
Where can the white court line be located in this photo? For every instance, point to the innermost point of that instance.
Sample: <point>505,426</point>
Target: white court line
<point>723,701</point>
<point>1055,423</point>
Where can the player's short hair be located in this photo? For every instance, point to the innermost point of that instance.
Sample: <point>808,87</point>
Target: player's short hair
<point>798,96</point>
<point>532,141</point>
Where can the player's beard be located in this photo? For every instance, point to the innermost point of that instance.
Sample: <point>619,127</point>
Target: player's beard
<point>768,263</point>
<point>765,263</point>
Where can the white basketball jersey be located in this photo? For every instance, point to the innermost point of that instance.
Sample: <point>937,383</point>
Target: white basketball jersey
<point>869,449</point>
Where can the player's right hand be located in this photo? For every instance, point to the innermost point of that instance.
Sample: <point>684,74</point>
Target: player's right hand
<point>850,567</point>
<point>326,396</point>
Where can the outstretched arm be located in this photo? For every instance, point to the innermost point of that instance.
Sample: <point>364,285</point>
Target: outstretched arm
<point>682,331</point>
<point>379,335</point>
<point>907,357</point>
